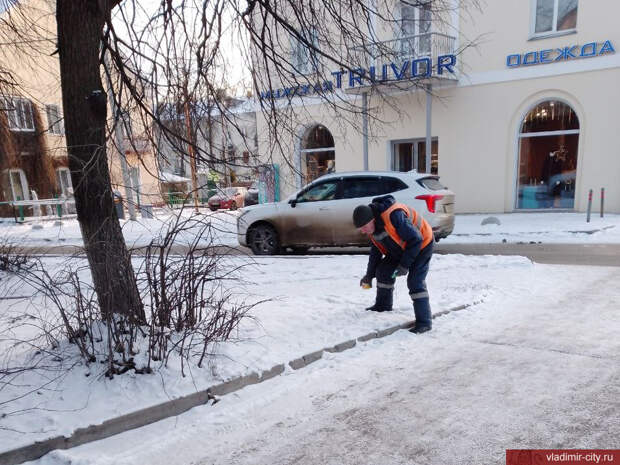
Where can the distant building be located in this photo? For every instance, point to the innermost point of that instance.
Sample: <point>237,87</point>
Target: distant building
<point>226,141</point>
<point>33,148</point>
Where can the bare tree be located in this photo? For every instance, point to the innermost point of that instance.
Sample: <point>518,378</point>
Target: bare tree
<point>296,47</point>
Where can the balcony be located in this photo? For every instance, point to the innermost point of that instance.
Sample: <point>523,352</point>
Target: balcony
<point>422,57</point>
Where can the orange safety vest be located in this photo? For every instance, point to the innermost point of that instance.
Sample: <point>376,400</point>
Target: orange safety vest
<point>420,223</point>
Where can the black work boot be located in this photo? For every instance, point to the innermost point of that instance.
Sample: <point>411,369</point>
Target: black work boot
<point>383,303</point>
<point>375,308</point>
<point>420,329</point>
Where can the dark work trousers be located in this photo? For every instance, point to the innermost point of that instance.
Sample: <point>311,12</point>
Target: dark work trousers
<point>416,281</point>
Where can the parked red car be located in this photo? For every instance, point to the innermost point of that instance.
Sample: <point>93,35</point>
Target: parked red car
<point>229,198</point>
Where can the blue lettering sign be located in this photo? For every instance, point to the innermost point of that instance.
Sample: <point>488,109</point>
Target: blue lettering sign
<point>566,53</point>
<point>418,68</point>
<point>356,76</point>
<point>544,56</point>
<point>513,60</point>
<point>446,61</point>
<point>571,52</point>
<point>384,72</point>
<point>530,58</point>
<point>591,52</point>
<point>338,75</point>
<point>372,71</point>
<point>607,48</point>
<point>400,74</point>
<point>428,67</point>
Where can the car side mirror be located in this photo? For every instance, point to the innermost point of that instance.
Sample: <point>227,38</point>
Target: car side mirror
<point>293,202</point>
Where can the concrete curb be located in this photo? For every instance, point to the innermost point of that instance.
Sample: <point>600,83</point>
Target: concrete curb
<point>180,405</point>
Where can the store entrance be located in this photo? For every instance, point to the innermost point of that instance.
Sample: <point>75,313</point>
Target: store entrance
<point>548,147</point>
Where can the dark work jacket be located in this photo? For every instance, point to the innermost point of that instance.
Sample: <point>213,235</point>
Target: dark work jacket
<point>405,229</point>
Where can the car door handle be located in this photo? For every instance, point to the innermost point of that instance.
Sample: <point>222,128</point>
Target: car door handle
<point>323,209</point>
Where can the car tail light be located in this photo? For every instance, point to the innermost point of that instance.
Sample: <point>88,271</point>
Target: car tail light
<point>430,201</point>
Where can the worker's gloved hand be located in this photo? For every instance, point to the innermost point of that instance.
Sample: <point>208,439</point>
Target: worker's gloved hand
<point>366,282</point>
<point>400,271</point>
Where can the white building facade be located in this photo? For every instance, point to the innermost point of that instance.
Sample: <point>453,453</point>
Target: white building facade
<point>522,120</point>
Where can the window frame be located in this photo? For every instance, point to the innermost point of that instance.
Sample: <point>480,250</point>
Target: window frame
<point>415,155</point>
<point>393,180</point>
<point>305,60</point>
<point>554,31</point>
<point>23,181</point>
<point>54,127</point>
<point>14,120</point>
<point>418,35</point>
<point>69,188</point>
<point>337,194</point>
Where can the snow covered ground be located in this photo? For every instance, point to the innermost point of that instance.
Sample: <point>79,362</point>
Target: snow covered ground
<point>316,302</point>
<point>137,233</point>
<point>514,227</point>
<point>508,347</point>
<point>533,366</point>
<point>558,228</point>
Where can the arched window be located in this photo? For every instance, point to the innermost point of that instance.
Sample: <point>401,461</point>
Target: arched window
<point>317,146</point>
<point>548,146</point>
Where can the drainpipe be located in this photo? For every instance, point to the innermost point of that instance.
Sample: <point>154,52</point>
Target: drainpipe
<point>365,128</point>
<point>131,208</point>
<point>429,129</point>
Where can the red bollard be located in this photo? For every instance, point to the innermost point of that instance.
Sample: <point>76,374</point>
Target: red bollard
<point>589,205</point>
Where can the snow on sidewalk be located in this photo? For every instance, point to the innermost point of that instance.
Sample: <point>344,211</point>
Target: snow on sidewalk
<point>316,302</point>
<point>534,366</point>
<point>548,227</point>
<point>137,233</point>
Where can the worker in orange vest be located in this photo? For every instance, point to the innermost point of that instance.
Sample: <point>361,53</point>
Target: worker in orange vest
<point>402,243</point>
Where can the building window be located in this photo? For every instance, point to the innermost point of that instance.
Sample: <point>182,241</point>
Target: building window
<point>548,145</point>
<point>19,185</point>
<point>54,119</point>
<point>415,29</point>
<point>304,59</point>
<point>63,179</point>
<point>317,147</point>
<point>19,113</point>
<point>410,155</point>
<point>554,16</point>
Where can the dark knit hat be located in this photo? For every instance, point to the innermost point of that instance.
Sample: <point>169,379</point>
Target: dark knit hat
<point>362,215</point>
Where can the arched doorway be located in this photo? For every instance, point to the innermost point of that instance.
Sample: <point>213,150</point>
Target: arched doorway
<point>318,153</point>
<point>548,146</point>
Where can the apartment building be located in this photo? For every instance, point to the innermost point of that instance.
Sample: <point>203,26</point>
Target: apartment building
<point>510,103</point>
<point>33,151</point>
<point>225,136</point>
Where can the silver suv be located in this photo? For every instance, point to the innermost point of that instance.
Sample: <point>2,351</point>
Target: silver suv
<point>321,214</point>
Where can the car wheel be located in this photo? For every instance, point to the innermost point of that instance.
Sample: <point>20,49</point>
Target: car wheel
<point>233,205</point>
<point>263,240</point>
<point>213,209</point>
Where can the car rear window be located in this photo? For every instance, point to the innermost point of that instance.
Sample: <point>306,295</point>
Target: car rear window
<point>431,184</point>
<point>370,186</point>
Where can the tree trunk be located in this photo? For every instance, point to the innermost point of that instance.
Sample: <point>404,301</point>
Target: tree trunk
<point>80,26</point>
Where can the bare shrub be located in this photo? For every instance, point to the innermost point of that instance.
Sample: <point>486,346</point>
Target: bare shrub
<point>12,259</point>
<point>190,297</point>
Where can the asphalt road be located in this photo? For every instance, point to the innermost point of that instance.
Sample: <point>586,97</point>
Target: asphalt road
<point>561,254</point>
